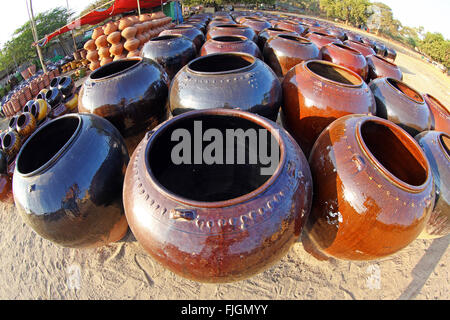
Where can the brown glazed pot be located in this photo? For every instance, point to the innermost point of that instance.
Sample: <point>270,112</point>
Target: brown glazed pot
<point>436,146</point>
<point>265,34</point>
<point>338,33</point>
<point>230,44</point>
<point>282,52</point>
<point>172,52</point>
<point>401,104</point>
<point>390,54</point>
<point>191,32</point>
<point>347,57</point>
<point>224,222</point>
<point>256,24</point>
<point>440,115</point>
<point>217,22</point>
<point>226,80</point>
<point>353,37</point>
<point>373,189</point>
<point>292,26</point>
<point>381,68</point>
<point>232,30</point>
<point>11,144</point>
<point>130,93</point>
<point>364,49</point>
<point>321,39</point>
<point>315,93</point>
<point>26,124</point>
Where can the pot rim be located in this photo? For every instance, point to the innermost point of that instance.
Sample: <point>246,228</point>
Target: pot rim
<point>239,39</point>
<point>252,117</point>
<point>382,59</point>
<point>410,141</point>
<point>345,48</point>
<point>57,155</point>
<point>254,59</point>
<point>305,63</point>
<point>388,80</point>
<point>441,145</point>
<point>230,25</point>
<point>298,39</point>
<point>108,77</point>
<point>439,104</point>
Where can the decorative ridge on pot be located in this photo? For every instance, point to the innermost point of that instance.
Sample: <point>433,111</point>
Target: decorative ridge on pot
<point>323,77</point>
<point>194,66</point>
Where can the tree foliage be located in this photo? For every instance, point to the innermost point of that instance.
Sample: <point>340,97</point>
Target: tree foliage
<point>436,47</point>
<point>94,5</point>
<point>351,11</point>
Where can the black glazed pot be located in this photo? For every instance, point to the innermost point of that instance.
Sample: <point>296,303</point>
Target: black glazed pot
<point>53,97</point>
<point>3,162</point>
<point>226,80</point>
<point>68,181</point>
<point>130,93</point>
<point>65,85</point>
<point>54,82</point>
<point>172,52</point>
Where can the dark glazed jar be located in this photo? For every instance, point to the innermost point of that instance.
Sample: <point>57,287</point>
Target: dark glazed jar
<point>401,104</point>
<point>315,93</point>
<point>436,146</point>
<point>26,124</point>
<point>192,33</point>
<point>172,52</point>
<point>54,97</point>
<point>83,208</point>
<point>347,57</point>
<point>11,144</point>
<point>217,22</point>
<point>292,26</point>
<point>13,122</point>
<point>130,93</point>
<point>380,49</point>
<point>65,85</point>
<point>353,37</point>
<point>282,52</point>
<point>225,222</point>
<point>230,44</point>
<point>256,24</point>
<point>440,115</point>
<point>364,49</point>
<point>264,35</point>
<point>27,106</point>
<point>373,189</point>
<point>381,68</point>
<point>226,80</point>
<point>338,33</point>
<point>390,54</point>
<point>321,39</point>
<point>232,30</point>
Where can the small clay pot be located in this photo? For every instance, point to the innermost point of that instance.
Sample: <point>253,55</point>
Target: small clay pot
<point>440,115</point>
<point>381,68</point>
<point>26,124</point>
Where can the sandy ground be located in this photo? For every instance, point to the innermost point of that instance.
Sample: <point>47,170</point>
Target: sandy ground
<point>34,268</point>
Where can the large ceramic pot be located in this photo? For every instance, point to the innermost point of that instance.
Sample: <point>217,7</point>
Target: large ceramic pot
<point>292,26</point>
<point>364,49</point>
<point>190,32</point>
<point>226,80</point>
<point>223,44</point>
<point>217,22</point>
<point>83,208</point>
<point>380,49</point>
<point>172,52</point>
<point>26,124</point>
<point>316,93</point>
<point>40,109</point>
<point>347,57</point>
<point>282,52</point>
<point>338,33</point>
<point>381,68</point>
<point>256,24</point>
<point>130,93</point>
<point>265,34</point>
<point>401,104</point>
<point>436,146</point>
<point>232,30</point>
<point>11,144</point>
<point>225,222</point>
<point>321,39</point>
<point>353,37</point>
<point>42,93</point>
<point>373,189</point>
<point>390,54</point>
<point>12,122</point>
<point>54,97</point>
<point>66,85</point>
<point>440,115</point>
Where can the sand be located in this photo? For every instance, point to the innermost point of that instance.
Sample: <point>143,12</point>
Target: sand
<point>34,268</point>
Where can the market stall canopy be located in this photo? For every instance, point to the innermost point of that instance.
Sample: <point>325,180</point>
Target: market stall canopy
<point>96,16</point>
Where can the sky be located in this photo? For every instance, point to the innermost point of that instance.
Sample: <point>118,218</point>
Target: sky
<point>433,15</point>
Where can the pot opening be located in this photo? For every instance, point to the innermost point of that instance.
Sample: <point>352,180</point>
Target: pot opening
<point>445,142</point>
<point>406,90</point>
<point>12,122</point>
<point>113,68</point>
<point>54,82</point>
<point>384,60</point>
<point>231,26</point>
<point>436,103</point>
<point>229,39</point>
<point>33,110</point>
<point>322,34</point>
<point>168,37</point>
<point>48,94</point>
<point>225,62</point>
<point>209,173</point>
<point>343,46</point>
<point>334,73</point>
<point>294,38</point>
<point>395,152</point>
<point>6,142</point>
<point>46,143</point>
<point>278,30</point>
<point>21,120</point>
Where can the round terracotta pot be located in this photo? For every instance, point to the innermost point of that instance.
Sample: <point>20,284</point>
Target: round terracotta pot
<point>364,49</point>
<point>315,93</point>
<point>282,52</point>
<point>390,54</point>
<point>131,93</point>
<point>436,146</point>
<point>11,143</point>
<point>172,52</point>
<point>223,44</point>
<point>190,32</point>
<point>373,189</point>
<point>265,34</point>
<point>401,104</point>
<point>347,57</point>
<point>83,208</point>
<point>226,80</point>
<point>440,115</point>
<point>224,222</point>
<point>256,24</point>
<point>53,97</point>
<point>321,39</point>
<point>381,68</point>
<point>26,125</point>
<point>232,30</point>
<point>292,26</point>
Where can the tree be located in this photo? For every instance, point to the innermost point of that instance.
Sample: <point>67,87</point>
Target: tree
<point>351,11</point>
<point>436,47</point>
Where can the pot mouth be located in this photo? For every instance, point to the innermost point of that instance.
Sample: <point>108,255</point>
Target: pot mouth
<point>407,167</point>
<point>12,122</point>
<point>212,184</point>
<point>234,38</point>
<point>347,48</point>
<point>166,37</point>
<point>437,103</point>
<point>321,34</point>
<point>115,68</point>
<point>294,38</point>
<point>54,82</point>
<point>47,144</point>
<point>334,73</point>
<point>444,142</point>
<point>384,60</point>
<point>7,140</point>
<point>221,63</point>
<point>405,90</point>
<point>21,120</point>
<point>235,26</point>
<point>278,30</point>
